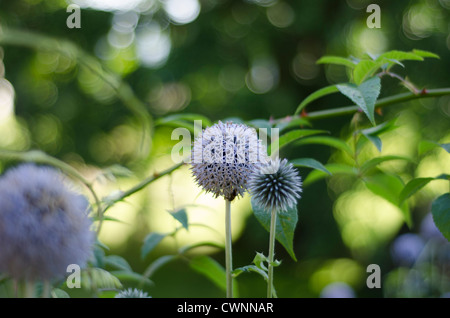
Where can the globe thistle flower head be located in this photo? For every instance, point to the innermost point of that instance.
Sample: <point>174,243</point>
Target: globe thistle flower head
<point>277,185</point>
<point>224,156</point>
<point>44,225</point>
<point>132,293</point>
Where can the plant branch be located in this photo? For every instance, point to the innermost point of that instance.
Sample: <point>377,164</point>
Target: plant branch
<point>382,102</point>
<point>141,185</point>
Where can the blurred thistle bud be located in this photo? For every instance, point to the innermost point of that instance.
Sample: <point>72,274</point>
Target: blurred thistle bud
<point>224,156</point>
<point>337,290</point>
<point>44,226</point>
<point>406,249</point>
<point>132,293</point>
<point>277,185</point>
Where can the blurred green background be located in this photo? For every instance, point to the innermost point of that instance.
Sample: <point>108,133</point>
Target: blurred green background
<point>244,59</point>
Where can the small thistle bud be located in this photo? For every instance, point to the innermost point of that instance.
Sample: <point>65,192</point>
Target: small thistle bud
<point>132,293</point>
<point>44,226</point>
<point>224,156</point>
<point>276,185</point>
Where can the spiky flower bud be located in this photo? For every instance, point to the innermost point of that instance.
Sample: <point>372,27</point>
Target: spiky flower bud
<point>224,156</point>
<point>132,293</point>
<point>44,225</point>
<point>276,185</point>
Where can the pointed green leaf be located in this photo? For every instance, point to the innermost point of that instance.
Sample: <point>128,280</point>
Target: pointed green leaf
<point>118,262</point>
<point>338,60</point>
<point>412,187</point>
<point>400,56</point>
<point>364,95</point>
<point>440,209</point>
<point>310,163</point>
<point>285,226</point>
<point>181,216</point>
<point>425,54</point>
<point>150,243</point>
<point>369,164</point>
<point>316,95</point>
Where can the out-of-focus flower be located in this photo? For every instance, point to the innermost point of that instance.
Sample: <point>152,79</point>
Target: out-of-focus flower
<point>44,226</point>
<point>337,290</point>
<point>406,249</point>
<point>224,156</point>
<point>132,293</point>
<point>276,185</point>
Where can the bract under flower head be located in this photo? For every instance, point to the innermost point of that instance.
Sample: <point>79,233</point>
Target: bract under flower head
<point>44,225</point>
<point>224,156</point>
<point>276,185</point>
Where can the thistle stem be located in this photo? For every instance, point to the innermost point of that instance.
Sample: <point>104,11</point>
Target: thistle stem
<point>273,222</point>
<point>29,289</point>
<point>228,252</point>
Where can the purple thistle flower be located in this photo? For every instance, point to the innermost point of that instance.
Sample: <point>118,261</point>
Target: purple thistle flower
<point>224,156</point>
<point>276,185</point>
<point>44,226</point>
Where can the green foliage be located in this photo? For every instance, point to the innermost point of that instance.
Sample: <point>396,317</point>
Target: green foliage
<point>285,226</point>
<point>441,214</point>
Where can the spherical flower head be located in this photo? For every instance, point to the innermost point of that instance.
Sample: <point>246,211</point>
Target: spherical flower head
<point>224,156</point>
<point>277,185</point>
<point>132,293</point>
<point>44,226</point>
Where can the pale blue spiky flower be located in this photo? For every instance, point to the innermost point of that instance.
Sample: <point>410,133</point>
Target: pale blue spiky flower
<point>224,156</point>
<point>276,186</point>
<point>132,293</point>
<point>44,225</point>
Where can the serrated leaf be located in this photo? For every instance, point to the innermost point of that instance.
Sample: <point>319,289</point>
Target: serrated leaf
<point>310,163</point>
<point>181,216</point>
<point>150,242</point>
<point>389,188</point>
<point>364,70</point>
<point>316,95</point>
<point>440,209</point>
<point>285,226</point>
<point>328,141</point>
<point>369,164</point>
<point>248,269</point>
<point>211,269</point>
<point>293,135</point>
<point>364,95</point>
<point>337,60</point>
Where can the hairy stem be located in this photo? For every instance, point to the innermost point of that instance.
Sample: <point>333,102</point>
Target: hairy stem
<point>228,249</point>
<point>273,222</point>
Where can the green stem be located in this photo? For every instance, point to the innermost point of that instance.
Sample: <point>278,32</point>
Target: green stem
<point>29,289</point>
<point>228,249</point>
<point>46,289</point>
<point>382,102</point>
<point>142,185</point>
<point>273,222</point>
